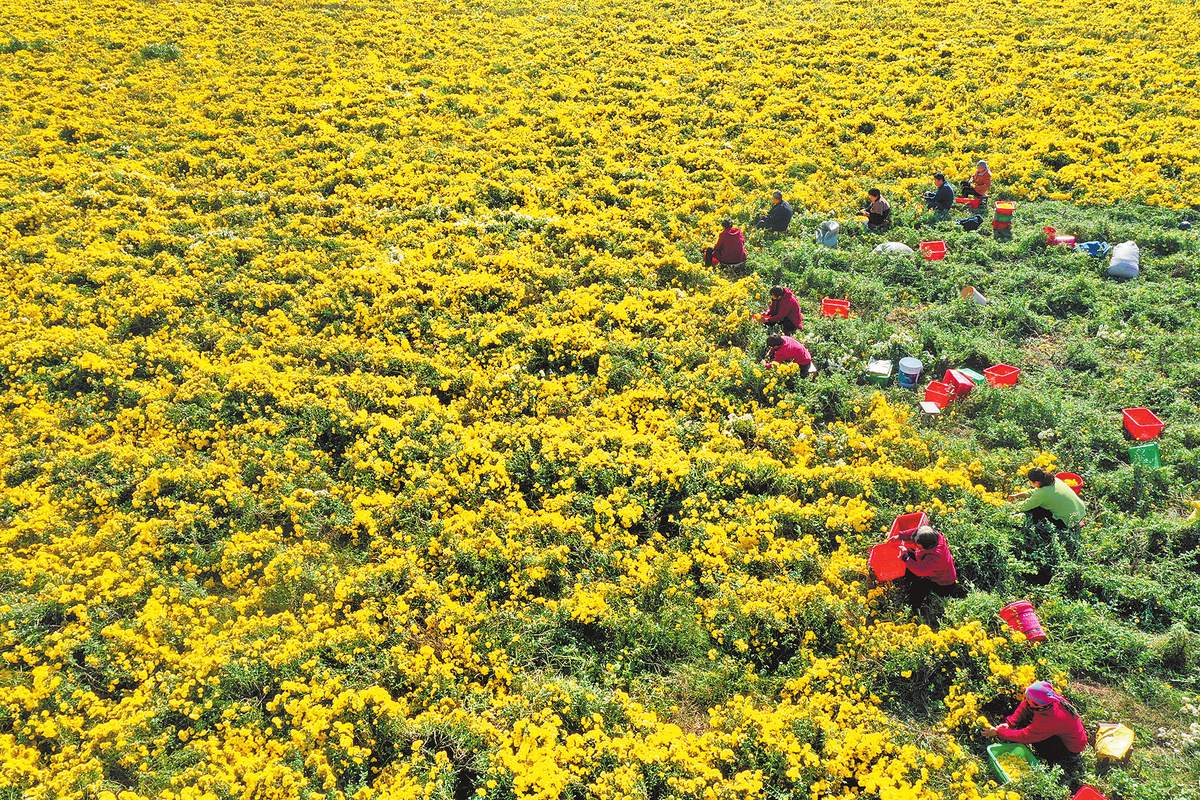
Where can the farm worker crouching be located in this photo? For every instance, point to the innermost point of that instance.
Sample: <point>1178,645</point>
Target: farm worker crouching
<point>930,567</point>
<point>941,200</point>
<point>1052,728</point>
<point>878,211</point>
<point>784,311</point>
<point>1052,511</point>
<point>778,218</point>
<point>786,350</point>
<point>730,249</point>
<point>979,183</point>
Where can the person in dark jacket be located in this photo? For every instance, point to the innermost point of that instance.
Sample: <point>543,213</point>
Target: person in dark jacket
<point>1051,726</point>
<point>778,218</point>
<point>784,311</point>
<point>786,350</point>
<point>941,200</point>
<point>930,567</point>
<point>878,211</point>
<point>730,249</point>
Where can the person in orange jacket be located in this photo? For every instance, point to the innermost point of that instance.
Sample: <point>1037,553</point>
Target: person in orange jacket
<point>730,249</point>
<point>979,183</point>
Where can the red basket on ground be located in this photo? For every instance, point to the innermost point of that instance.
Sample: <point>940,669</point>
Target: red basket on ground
<point>1052,237</point>
<point>1001,375</point>
<point>1020,616</point>
<point>907,522</point>
<point>959,383</point>
<point>835,308</point>
<point>1006,207</point>
<point>939,393</point>
<point>1072,480</point>
<point>1141,423</point>
<point>1087,793</point>
<point>969,202</point>
<point>934,251</point>
<point>885,561</point>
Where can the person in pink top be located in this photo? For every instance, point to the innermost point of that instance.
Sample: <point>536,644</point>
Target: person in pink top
<point>730,249</point>
<point>784,311</point>
<point>1051,726</point>
<point>786,350</point>
<point>930,567</point>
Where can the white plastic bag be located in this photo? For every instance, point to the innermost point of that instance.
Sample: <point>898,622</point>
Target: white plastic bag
<point>1124,261</point>
<point>892,247</point>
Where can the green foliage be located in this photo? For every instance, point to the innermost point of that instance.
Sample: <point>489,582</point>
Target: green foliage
<point>164,51</point>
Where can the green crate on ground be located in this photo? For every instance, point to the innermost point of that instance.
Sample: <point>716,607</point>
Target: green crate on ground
<point>1145,455</point>
<point>1003,752</point>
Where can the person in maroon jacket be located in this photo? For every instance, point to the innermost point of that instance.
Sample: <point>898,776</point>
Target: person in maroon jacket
<point>730,249</point>
<point>930,567</point>
<point>1051,726</point>
<point>784,311</point>
<point>786,350</point>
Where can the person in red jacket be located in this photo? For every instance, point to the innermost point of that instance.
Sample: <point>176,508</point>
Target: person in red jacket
<point>784,311</point>
<point>786,350</point>
<point>730,249</point>
<point>1051,726</point>
<point>930,567</point>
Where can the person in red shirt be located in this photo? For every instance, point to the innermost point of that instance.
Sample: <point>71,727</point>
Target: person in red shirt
<point>1051,726</point>
<point>730,249</point>
<point>930,567</point>
<point>784,311</point>
<point>786,350</point>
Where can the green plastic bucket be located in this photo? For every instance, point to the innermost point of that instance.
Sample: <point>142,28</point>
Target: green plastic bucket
<point>879,372</point>
<point>1145,455</point>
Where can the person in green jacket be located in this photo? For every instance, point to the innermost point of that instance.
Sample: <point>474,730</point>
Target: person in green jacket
<point>1052,511</point>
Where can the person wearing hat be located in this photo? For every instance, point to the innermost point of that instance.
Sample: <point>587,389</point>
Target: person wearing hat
<point>1050,726</point>
<point>979,183</point>
<point>730,249</point>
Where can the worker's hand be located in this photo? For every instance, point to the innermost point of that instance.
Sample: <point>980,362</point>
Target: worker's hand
<point>990,731</point>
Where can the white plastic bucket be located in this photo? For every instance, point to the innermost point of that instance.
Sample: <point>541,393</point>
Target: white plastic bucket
<point>910,373</point>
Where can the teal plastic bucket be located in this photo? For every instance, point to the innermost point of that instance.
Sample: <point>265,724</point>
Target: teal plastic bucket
<point>910,373</point>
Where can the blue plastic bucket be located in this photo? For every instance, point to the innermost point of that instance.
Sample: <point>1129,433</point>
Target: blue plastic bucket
<point>910,373</point>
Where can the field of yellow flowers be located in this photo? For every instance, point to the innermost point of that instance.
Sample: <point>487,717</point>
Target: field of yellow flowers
<point>367,433</point>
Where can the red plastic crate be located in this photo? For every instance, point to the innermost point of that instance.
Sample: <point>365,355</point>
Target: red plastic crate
<point>1001,375</point>
<point>885,561</point>
<point>835,308</point>
<point>934,251</point>
<point>1006,207</point>
<point>939,393</point>
<point>1141,423</point>
<point>970,202</point>
<point>1087,793</point>
<point>907,522</point>
<point>1001,226</point>
<point>959,383</point>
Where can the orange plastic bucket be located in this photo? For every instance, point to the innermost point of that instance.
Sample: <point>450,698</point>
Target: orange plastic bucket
<point>1020,616</point>
<point>885,561</point>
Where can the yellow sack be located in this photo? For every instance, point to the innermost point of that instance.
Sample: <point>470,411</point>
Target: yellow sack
<point>1113,741</point>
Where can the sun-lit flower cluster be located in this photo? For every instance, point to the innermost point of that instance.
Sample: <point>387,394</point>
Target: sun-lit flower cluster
<point>367,433</point>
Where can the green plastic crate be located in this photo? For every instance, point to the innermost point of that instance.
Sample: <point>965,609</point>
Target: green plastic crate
<point>995,751</point>
<point>1145,455</point>
<point>975,377</point>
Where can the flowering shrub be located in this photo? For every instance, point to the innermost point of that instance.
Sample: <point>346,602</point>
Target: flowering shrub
<point>367,432</point>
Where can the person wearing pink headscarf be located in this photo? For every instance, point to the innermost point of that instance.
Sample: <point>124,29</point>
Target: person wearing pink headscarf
<point>1050,726</point>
